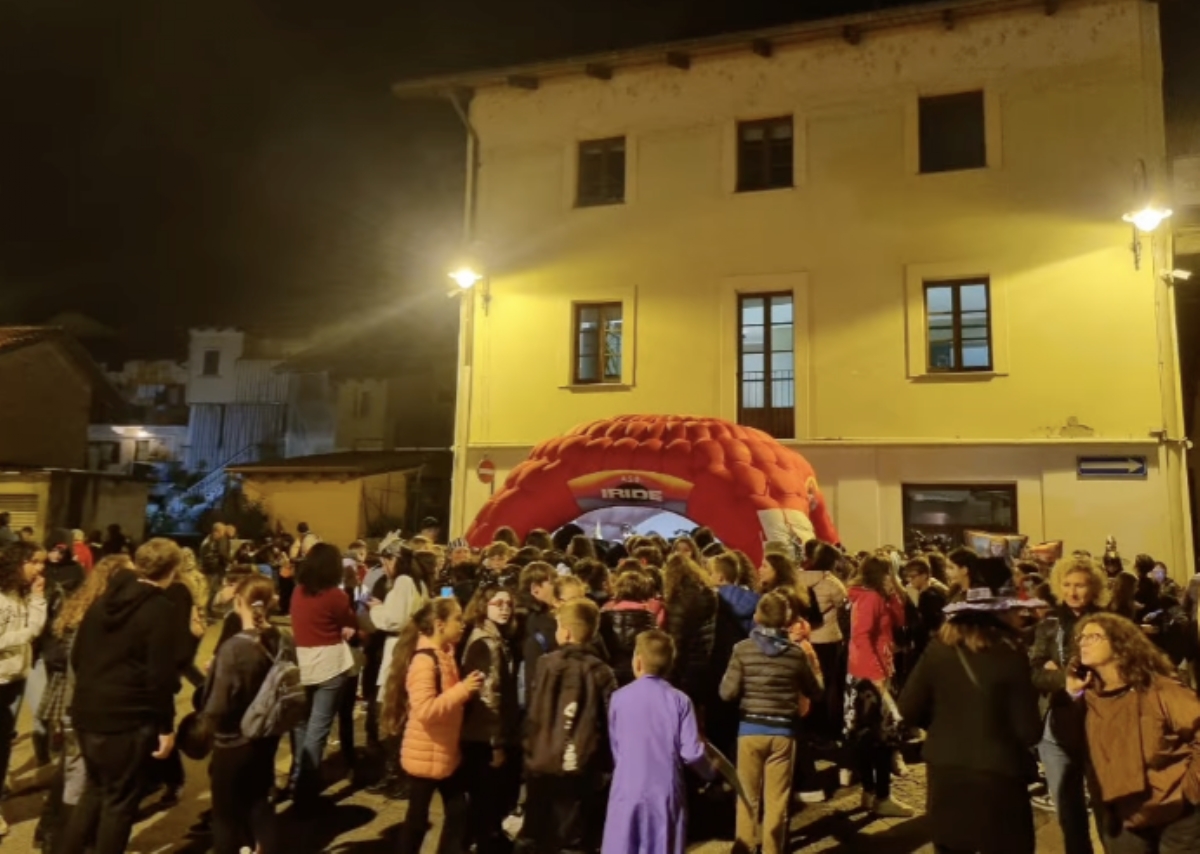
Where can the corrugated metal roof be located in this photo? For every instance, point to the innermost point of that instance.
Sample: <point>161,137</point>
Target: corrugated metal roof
<point>347,463</point>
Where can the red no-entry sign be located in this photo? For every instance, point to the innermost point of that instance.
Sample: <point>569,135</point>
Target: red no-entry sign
<point>486,471</point>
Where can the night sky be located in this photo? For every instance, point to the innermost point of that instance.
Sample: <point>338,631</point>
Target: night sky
<point>172,163</point>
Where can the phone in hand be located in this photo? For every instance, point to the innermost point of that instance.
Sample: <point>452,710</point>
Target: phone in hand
<point>447,593</point>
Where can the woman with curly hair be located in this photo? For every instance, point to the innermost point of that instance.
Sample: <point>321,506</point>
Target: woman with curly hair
<point>70,776</point>
<point>691,606</point>
<point>22,618</point>
<point>1079,585</point>
<point>1143,738</point>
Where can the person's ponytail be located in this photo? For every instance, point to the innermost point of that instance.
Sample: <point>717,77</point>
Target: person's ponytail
<point>395,695</point>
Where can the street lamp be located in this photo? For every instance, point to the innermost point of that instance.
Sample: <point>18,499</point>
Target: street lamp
<point>1146,219</point>
<point>465,278</point>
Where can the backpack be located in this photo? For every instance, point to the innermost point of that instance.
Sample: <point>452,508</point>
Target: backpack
<point>569,712</point>
<point>281,703</point>
<point>437,682</point>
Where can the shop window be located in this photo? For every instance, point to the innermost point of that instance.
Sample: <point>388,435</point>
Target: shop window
<point>943,513</point>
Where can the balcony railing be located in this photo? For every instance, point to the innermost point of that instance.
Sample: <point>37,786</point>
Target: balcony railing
<point>768,402</point>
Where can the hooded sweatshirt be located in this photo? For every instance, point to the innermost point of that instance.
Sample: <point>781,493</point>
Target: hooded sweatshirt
<point>769,676</point>
<point>125,659</point>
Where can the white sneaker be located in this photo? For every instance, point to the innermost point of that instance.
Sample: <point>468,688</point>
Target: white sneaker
<point>817,797</point>
<point>845,777</point>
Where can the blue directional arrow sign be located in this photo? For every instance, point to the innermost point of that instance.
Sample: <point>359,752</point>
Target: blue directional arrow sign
<point>1112,467</point>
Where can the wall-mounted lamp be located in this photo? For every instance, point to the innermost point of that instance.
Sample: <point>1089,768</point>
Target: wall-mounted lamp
<point>466,277</point>
<point>1177,276</point>
<point>1148,217</point>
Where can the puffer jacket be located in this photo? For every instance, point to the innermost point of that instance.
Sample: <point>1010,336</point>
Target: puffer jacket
<point>494,716</point>
<point>21,621</point>
<point>434,725</point>
<point>770,678</point>
<point>620,624</point>
<point>692,624</point>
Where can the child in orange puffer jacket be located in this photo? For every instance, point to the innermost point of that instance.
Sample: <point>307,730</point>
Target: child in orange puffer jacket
<point>425,701</point>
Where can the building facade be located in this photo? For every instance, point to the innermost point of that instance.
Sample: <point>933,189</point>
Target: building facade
<point>894,242</point>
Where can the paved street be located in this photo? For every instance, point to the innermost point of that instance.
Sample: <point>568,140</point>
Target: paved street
<point>355,821</point>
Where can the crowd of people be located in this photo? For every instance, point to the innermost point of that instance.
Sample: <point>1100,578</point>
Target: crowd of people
<point>561,694</point>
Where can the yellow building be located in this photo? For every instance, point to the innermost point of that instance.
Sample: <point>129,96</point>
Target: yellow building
<point>894,241</point>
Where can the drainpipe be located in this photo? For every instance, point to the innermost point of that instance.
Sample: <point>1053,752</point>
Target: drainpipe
<point>464,397</point>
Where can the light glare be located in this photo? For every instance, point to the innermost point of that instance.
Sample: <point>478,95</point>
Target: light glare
<point>1148,218</point>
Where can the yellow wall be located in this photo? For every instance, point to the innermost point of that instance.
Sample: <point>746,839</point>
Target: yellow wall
<point>29,484</point>
<point>332,508</point>
<point>1073,100</point>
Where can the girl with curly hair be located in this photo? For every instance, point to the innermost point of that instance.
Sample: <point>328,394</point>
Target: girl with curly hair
<point>1143,738</point>
<point>22,618</point>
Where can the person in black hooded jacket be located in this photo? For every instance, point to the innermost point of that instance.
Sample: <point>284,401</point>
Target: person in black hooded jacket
<point>125,660</point>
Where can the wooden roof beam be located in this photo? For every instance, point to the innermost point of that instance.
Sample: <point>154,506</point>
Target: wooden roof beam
<point>763,48</point>
<point>1051,7</point>
<point>852,35</point>
<point>948,19</point>
<point>598,71</point>
<point>521,81</point>
<point>679,59</point>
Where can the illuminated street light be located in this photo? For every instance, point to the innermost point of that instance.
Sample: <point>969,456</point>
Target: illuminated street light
<point>466,278</point>
<point>1148,219</point>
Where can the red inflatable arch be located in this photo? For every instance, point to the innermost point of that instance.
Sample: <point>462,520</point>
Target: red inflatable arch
<point>736,480</point>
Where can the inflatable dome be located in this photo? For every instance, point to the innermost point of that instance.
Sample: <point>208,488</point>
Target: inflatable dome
<point>738,481</point>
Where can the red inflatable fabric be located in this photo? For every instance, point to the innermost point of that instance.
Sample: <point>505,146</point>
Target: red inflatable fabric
<point>738,481</point>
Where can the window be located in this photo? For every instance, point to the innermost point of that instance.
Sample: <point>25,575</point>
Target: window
<point>766,364</point>
<point>597,343</point>
<point>362,404</point>
<point>601,172</point>
<point>212,363</point>
<point>141,451</point>
<point>952,132</point>
<point>107,453</point>
<point>958,326</point>
<point>949,510</point>
<point>765,160</point>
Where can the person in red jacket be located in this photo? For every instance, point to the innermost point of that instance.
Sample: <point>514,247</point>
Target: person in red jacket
<point>322,622</point>
<point>872,722</point>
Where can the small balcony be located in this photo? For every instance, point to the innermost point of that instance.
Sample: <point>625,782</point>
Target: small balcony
<point>768,402</point>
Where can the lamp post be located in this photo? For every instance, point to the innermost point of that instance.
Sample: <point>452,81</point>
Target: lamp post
<point>1147,218</point>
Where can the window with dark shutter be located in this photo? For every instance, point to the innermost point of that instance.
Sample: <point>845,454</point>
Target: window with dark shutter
<point>601,172</point>
<point>767,364</point>
<point>765,155</point>
<point>953,132</point>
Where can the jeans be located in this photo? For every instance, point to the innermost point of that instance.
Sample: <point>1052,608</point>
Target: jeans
<point>1064,775</point>
<point>10,705</point>
<point>116,768</point>
<point>1182,836</point>
<point>310,738</point>
<point>35,689</point>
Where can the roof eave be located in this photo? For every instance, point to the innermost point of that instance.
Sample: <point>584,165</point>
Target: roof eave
<point>837,27</point>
